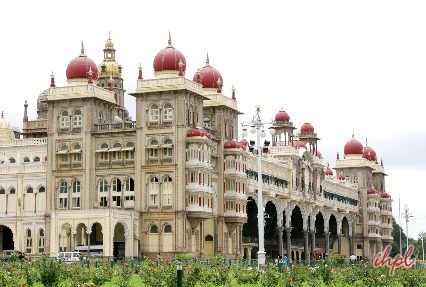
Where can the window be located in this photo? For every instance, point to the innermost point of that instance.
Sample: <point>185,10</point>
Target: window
<point>167,112</point>
<point>230,205</point>
<point>103,201</point>
<point>193,199</point>
<point>130,184</point>
<point>26,159</point>
<point>77,118</point>
<point>192,177</point>
<point>12,160</point>
<point>41,241</point>
<point>12,190</point>
<point>167,229</point>
<point>129,150</point>
<point>2,190</point>
<point>117,200</point>
<point>42,189</point>
<point>76,187</point>
<point>230,162</point>
<point>36,159</point>
<point>76,155</point>
<point>63,202</point>
<point>153,113</point>
<point>103,186</point>
<point>355,179</point>
<point>63,187</point>
<point>153,191</point>
<point>167,190</point>
<point>153,229</point>
<point>63,156</point>
<point>29,241</point>
<point>167,149</point>
<point>65,119</point>
<point>116,154</point>
<point>30,190</point>
<point>103,152</point>
<point>76,202</point>
<point>100,118</point>
<point>230,185</point>
<point>116,185</point>
<point>45,158</point>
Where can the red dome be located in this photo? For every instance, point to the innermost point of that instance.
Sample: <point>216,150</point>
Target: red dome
<point>168,59</point>
<point>372,191</point>
<point>353,147</point>
<point>233,144</point>
<point>369,153</point>
<point>244,142</point>
<point>307,128</point>
<point>342,177</point>
<point>385,195</point>
<point>209,76</point>
<point>198,133</point>
<point>282,116</point>
<point>79,67</point>
<point>298,144</point>
<point>328,172</point>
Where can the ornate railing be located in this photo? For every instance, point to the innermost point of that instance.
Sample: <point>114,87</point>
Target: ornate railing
<point>115,126</point>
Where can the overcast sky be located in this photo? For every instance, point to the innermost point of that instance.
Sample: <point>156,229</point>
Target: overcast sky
<point>345,66</point>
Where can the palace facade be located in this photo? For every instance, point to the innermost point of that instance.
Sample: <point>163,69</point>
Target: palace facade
<point>176,180</point>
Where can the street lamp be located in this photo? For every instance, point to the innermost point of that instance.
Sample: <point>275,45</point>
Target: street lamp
<point>257,126</point>
<point>423,249</point>
<point>406,216</point>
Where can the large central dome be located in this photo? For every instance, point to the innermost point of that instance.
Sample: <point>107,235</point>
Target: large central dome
<point>79,67</point>
<point>208,76</point>
<point>168,59</point>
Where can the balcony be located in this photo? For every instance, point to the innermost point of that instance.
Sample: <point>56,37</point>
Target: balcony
<point>198,164</point>
<point>115,126</point>
<point>231,216</point>
<point>23,142</point>
<point>27,168</point>
<point>235,195</point>
<point>196,187</point>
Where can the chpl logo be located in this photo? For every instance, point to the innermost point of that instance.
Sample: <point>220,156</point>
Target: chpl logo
<point>383,259</point>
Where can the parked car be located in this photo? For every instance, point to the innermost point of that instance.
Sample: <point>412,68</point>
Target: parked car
<point>68,257</point>
<point>7,253</point>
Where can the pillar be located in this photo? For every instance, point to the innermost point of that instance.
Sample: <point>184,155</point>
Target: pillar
<point>339,241</point>
<point>59,243</point>
<point>305,235</point>
<point>280,240</point>
<point>73,241</point>
<point>313,244</point>
<point>241,241</point>
<point>351,245</point>
<point>88,245</point>
<point>288,243</point>
<point>327,242</point>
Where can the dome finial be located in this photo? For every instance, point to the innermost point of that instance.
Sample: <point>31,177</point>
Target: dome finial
<point>207,60</point>
<point>109,37</point>
<point>353,135</point>
<point>170,41</point>
<point>82,49</point>
<point>2,115</point>
<point>233,93</point>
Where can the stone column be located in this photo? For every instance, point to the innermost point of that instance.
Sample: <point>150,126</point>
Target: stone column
<point>288,243</point>
<point>305,235</point>
<point>59,243</point>
<point>241,241</point>
<point>351,245</point>
<point>280,240</point>
<point>313,244</point>
<point>88,245</point>
<point>73,241</point>
<point>327,242</point>
<point>339,241</point>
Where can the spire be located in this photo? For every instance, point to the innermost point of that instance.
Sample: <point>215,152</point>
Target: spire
<point>170,41</point>
<point>337,154</point>
<point>52,80</point>
<point>207,60</point>
<point>25,112</point>
<point>366,143</point>
<point>109,36</point>
<point>140,72</point>
<point>233,92</point>
<point>82,50</point>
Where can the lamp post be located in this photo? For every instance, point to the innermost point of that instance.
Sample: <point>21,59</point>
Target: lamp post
<point>406,216</point>
<point>257,126</point>
<point>423,249</point>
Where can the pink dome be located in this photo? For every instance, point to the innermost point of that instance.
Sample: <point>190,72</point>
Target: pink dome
<point>307,128</point>
<point>318,154</point>
<point>79,67</point>
<point>298,144</point>
<point>168,59</point>
<point>353,146</point>
<point>244,142</point>
<point>208,76</point>
<point>197,132</point>
<point>385,195</point>
<point>328,172</point>
<point>369,153</point>
<point>342,177</point>
<point>233,144</point>
<point>372,191</point>
<point>282,116</point>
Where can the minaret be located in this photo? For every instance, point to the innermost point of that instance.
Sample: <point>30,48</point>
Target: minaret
<point>110,68</point>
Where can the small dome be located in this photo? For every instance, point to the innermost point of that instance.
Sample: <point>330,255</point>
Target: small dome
<point>79,67</point>
<point>109,45</point>
<point>233,144</point>
<point>385,195</point>
<point>328,172</point>
<point>41,104</point>
<point>307,128</point>
<point>353,147</point>
<point>297,143</point>
<point>209,76</point>
<point>372,191</point>
<point>244,142</point>
<point>282,116</point>
<point>168,59</point>
<point>6,129</point>
<point>197,132</point>
<point>342,177</point>
<point>369,153</point>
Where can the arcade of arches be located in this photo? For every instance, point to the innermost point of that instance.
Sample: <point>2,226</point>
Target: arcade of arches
<point>301,227</point>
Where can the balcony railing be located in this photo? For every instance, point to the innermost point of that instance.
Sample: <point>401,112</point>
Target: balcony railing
<point>115,126</point>
<point>23,142</point>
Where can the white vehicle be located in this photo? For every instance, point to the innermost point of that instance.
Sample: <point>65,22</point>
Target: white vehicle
<point>69,257</point>
<point>95,250</point>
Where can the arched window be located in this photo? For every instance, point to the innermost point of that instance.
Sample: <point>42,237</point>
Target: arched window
<point>30,190</point>
<point>130,184</point>
<point>167,148</point>
<point>116,185</point>
<point>12,190</point>
<point>167,229</point>
<point>76,193</point>
<point>41,241</point>
<point>77,118</point>
<point>63,195</point>
<point>153,229</point>
<point>63,187</point>
<point>103,186</point>
<point>103,152</point>
<point>167,112</point>
<point>12,160</point>
<point>116,188</point>
<point>153,191</point>
<point>42,189</point>
<point>76,153</point>
<point>36,159</point>
<point>153,113</point>
<point>63,154</point>
<point>153,151</point>
<point>129,150</point>
<point>65,119</point>
<point>2,190</point>
<point>76,186</point>
<point>26,159</point>
<point>103,190</point>
<point>209,238</point>
<point>116,151</point>
<point>29,241</point>
<point>100,118</point>
<point>167,190</point>
<point>45,158</point>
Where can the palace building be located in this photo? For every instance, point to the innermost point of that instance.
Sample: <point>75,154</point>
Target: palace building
<point>85,176</point>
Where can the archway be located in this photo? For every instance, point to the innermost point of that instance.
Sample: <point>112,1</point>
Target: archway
<point>333,233</point>
<point>271,235</point>
<point>250,228</point>
<point>319,233</point>
<point>167,238</point>
<point>81,235</point>
<point>96,240</point>
<point>65,243</point>
<point>119,242</point>
<point>345,238</point>
<point>6,236</point>
<point>209,247</point>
